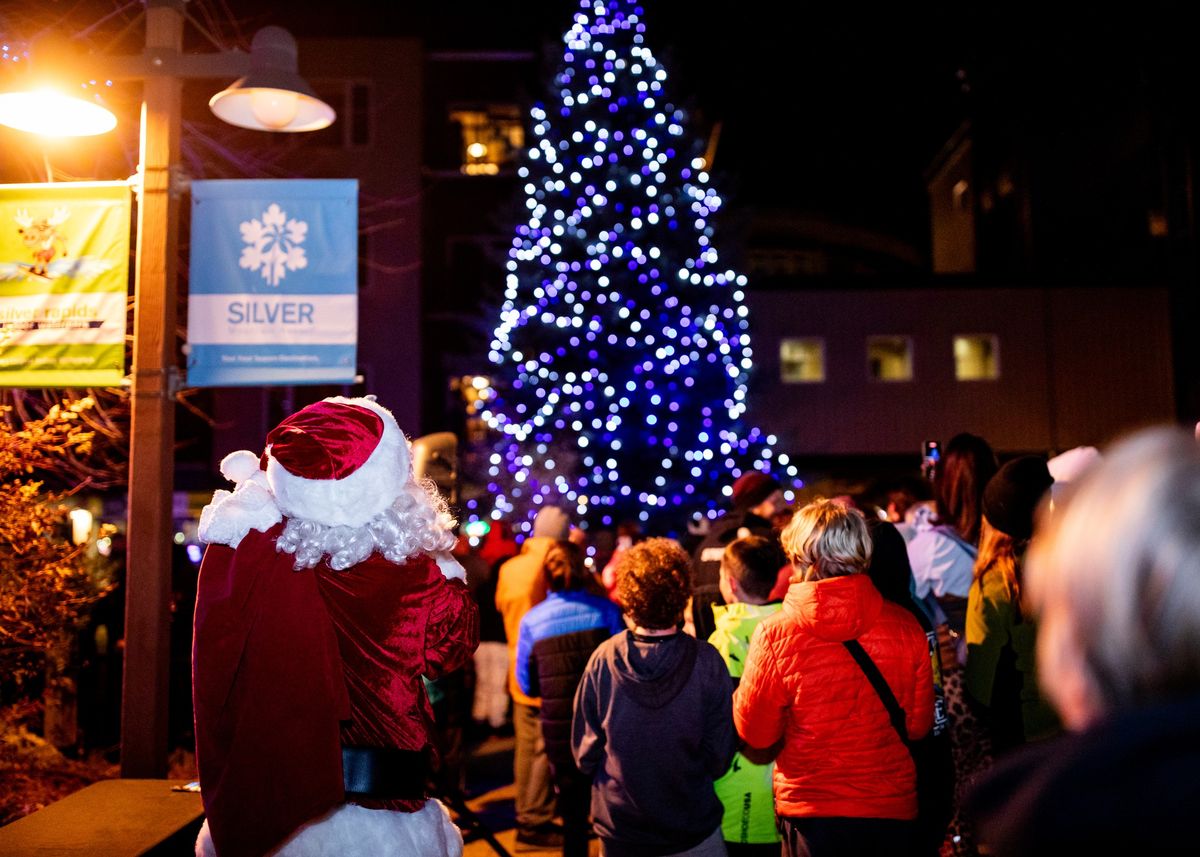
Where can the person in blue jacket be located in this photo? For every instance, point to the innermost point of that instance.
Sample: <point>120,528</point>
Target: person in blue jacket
<point>554,642</point>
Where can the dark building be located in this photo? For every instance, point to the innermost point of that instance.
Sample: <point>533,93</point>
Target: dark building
<point>854,369</point>
<point>1056,305</point>
<point>476,106</point>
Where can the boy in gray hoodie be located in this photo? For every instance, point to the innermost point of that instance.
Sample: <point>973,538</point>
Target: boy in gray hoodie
<point>653,722</point>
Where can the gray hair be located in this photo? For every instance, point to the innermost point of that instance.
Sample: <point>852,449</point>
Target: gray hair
<point>827,539</point>
<point>1115,577</point>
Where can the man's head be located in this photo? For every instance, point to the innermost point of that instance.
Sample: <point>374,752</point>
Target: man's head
<point>1114,575</point>
<point>338,462</point>
<point>551,523</point>
<point>339,472</point>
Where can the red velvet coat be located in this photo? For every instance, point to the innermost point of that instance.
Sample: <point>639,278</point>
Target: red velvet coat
<point>290,665</point>
<point>840,756</point>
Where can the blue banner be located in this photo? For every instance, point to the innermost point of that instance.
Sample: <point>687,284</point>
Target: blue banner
<point>273,297</point>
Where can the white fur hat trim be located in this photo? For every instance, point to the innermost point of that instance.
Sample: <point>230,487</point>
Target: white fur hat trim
<point>356,498</point>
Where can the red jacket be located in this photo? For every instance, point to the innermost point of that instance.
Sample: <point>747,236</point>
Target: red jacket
<point>840,755</point>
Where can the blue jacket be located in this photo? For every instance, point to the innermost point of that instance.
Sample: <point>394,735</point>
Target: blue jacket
<point>554,641</point>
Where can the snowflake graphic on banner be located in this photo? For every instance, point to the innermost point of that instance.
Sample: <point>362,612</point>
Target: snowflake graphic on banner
<point>274,244</point>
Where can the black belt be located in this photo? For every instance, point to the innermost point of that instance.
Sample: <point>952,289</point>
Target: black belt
<point>385,774</point>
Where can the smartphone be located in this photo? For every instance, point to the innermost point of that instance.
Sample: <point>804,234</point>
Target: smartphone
<point>931,454</point>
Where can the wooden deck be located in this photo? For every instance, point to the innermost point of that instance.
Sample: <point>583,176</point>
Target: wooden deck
<point>111,818</point>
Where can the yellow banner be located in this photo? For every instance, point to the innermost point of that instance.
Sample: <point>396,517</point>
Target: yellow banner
<point>64,278</point>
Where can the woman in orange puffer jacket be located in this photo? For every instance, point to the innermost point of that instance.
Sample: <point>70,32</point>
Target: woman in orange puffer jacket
<point>844,782</point>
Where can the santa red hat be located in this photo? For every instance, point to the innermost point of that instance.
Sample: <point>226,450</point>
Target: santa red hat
<point>338,462</point>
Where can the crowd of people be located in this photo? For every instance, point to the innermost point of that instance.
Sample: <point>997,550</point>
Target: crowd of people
<point>1010,665</point>
<point>883,670</point>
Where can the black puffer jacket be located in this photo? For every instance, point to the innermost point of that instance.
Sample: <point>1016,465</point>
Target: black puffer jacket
<point>558,664</point>
<point>554,642</point>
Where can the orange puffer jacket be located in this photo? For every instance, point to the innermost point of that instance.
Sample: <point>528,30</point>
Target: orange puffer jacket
<point>840,755</point>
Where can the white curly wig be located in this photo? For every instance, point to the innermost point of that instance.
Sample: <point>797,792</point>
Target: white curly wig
<point>418,521</point>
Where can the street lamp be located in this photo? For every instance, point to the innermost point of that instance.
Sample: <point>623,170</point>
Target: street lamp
<point>272,96</point>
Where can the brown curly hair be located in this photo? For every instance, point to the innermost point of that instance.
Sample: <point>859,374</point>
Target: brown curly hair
<point>654,583</point>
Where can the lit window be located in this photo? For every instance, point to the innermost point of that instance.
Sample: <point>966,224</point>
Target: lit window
<point>491,138</point>
<point>976,357</point>
<point>802,361</point>
<point>889,358</point>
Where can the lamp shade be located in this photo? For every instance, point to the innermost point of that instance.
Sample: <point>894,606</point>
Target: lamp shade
<point>52,114</point>
<point>273,96</point>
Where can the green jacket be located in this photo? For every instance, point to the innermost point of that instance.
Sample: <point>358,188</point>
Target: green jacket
<point>745,790</point>
<point>1001,665</point>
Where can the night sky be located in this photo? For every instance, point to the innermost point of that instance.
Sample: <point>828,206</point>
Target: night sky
<point>836,110</point>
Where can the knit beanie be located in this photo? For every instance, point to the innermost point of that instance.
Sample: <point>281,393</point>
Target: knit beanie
<point>751,488</point>
<point>552,523</point>
<point>1012,495</point>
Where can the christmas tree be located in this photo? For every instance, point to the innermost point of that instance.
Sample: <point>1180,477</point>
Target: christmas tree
<point>622,349</point>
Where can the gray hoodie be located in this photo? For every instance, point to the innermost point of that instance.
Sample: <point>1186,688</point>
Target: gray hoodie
<point>653,727</point>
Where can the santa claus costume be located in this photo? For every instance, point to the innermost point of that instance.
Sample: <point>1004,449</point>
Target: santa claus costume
<point>326,593</point>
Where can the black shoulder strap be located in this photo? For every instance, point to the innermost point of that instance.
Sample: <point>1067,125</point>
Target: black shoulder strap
<point>895,712</point>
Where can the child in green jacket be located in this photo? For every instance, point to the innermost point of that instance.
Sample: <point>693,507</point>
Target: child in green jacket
<point>749,568</point>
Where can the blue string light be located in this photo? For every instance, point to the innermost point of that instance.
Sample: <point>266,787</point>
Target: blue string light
<point>616,249</point>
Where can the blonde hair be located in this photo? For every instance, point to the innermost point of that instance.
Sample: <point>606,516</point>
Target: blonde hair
<point>997,555</point>
<point>826,539</point>
<point>1115,577</point>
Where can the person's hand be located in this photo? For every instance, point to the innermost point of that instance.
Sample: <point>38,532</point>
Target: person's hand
<point>763,756</point>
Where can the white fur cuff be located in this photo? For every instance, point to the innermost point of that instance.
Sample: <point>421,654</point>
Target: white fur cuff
<point>450,567</point>
<point>353,831</point>
<point>230,515</point>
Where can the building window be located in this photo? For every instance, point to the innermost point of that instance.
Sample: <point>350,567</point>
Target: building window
<point>491,138</point>
<point>802,361</point>
<point>976,357</point>
<point>889,358</point>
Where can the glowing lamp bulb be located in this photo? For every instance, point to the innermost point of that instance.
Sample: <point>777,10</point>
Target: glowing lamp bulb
<point>275,108</point>
<point>53,114</point>
<point>81,526</point>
